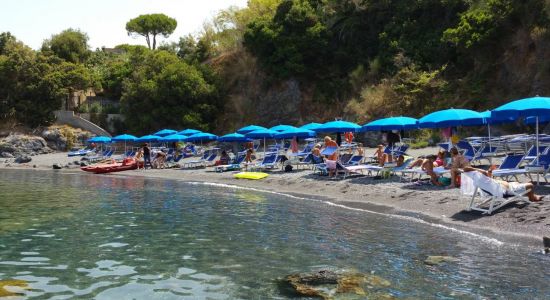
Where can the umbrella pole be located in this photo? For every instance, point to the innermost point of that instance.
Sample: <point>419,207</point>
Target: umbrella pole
<point>490,148</point>
<point>264,146</point>
<point>537,141</point>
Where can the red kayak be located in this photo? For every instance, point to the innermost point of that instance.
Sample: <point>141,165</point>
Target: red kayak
<point>126,164</point>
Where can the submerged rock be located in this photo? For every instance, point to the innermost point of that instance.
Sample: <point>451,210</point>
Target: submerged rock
<point>15,285</point>
<point>325,284</point>
<point>437,260</point>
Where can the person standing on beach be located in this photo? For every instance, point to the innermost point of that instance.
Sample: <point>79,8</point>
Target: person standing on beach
<point>146,156</point>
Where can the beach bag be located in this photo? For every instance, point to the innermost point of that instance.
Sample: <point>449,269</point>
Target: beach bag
<point>288,168</point>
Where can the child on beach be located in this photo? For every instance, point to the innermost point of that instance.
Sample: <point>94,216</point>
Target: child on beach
<point>458,162</point>
<point>380,156</point>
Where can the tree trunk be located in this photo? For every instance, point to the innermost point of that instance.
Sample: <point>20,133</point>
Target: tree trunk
<point>148,41</point>
<point>154,41</point>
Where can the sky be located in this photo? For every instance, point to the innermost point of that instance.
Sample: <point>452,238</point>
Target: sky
<point>33,21</point>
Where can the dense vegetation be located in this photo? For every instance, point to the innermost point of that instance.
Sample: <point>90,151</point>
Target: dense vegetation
<point>279,61</point>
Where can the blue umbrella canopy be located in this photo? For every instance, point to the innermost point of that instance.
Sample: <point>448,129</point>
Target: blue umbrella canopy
<point>487,116</point>
<point>100,140</point>
<point>296,132</point>
<point>451,117</point>
<point>124,138</point>
<point>393,123</point>
<point>201,136</point>
<point>528,107</point>
<point>165,132</point>
<point>249,128</point>
<point>338,127</point>
<point>173,138</point>
<point>311,126</point>
<point>189,132</point>
<point>148,138</point>
<point>282,127</point>
<point>233,137</point>
<point>533,120</point>
<point>261,134</point>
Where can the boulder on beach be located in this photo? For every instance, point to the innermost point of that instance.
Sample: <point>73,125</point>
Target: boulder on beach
<point>21,144</point>
<point>6,155</point>
<point>23,159</point>
<point>57,166</point>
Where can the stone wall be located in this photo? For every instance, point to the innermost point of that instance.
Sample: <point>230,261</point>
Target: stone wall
<point>64,117</point>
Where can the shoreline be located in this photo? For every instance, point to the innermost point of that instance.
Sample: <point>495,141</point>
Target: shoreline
<point>424,204</point>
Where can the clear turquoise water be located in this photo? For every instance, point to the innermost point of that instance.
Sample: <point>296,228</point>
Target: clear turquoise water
<point>103,237</point>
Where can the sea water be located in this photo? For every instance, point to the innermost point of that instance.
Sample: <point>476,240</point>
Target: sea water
<point>66,236</point>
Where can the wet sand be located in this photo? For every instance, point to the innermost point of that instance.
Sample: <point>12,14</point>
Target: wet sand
<point>522,224</point>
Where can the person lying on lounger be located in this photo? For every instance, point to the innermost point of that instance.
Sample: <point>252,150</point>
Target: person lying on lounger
<point>511,188</point>
<point>438,162</point>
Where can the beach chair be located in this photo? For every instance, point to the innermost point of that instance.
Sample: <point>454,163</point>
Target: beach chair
<point>195,163</point>
<point>307,150</point>
<point>268,162</point>
<point>531,154</point>
<point>487,195</point>
<point>418,172</point>
<point>510,167</point>
<point>349,170</point>
<point>344,158</point>
<point>473,154</point>
<point>234,165</point>
<point>355,160</point>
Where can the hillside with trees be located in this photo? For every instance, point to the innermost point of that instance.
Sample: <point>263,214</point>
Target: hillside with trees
<point>293,61</point>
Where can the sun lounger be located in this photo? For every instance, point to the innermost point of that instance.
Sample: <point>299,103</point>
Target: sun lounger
<point>349,170</point>
<point>419,172</point>
<point>234,165</point>
<point>487,195</point>
<point>268,162</point>
<point>206,156</point>
<point>355,160</point>
<point>344,158</point>
<point>532,152</point>
<point>509,167</point>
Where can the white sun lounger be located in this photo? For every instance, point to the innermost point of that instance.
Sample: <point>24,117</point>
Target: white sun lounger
<point>487,195</point>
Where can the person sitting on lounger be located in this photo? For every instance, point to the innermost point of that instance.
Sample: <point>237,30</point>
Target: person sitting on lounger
<point>400,160</point>
<point>381,157</point>
<point>428,167</point>
<point>458,162</point>
<point>360,150</point>
<point>511,188</point>
<point>224,159</point>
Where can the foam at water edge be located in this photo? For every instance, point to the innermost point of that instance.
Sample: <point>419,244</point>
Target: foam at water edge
<point>413,219</point>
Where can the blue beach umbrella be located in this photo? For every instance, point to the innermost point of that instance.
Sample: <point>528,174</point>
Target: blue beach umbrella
<point>234,137</point>
<point>250,128</point>
<point>124,138</point>
<point>261,134</point>
<point>533,120</point>
<point>100,140</point>
<point>280,128</point>
<point>311,126</point>
<point>189,132</point>
<point>338,127</point>
<point>537,107</point>
<point>393,123</point>
<point>450,118</point>
<point>296,132</point>
<point>173,138</point>
<point>147,139</point>
<point>201,136</point>
<point>165,132</point>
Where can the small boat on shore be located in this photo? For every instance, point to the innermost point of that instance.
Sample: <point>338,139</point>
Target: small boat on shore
<point>100,168</point>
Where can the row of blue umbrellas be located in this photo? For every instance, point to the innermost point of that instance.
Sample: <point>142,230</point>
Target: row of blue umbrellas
<point>533,110</point>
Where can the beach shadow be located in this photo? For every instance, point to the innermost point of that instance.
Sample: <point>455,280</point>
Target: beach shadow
<point>468,216</point>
